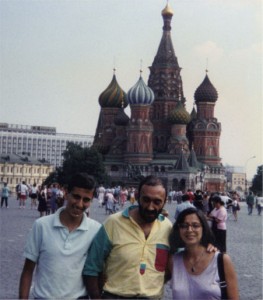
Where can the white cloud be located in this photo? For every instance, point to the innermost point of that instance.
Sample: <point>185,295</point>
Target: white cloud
<point>248,52</point>
<point>237,3</point>
<point>209,50</point>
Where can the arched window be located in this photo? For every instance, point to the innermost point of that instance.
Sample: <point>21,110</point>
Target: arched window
<point>182,184</point>
<point>175,184</point>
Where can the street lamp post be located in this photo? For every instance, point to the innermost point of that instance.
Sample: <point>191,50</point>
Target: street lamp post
<point>252,157</point>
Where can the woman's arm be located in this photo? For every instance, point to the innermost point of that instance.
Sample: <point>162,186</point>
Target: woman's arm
<point>169,268</point>
<point>231,278</point>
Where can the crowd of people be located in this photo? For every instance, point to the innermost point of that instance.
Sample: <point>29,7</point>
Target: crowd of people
<point>133,253</point>
<point>114,198</point>
<point>45,199</point>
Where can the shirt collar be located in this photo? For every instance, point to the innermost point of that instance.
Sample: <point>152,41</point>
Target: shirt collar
<point>83,225</point>
<point>126,211</point>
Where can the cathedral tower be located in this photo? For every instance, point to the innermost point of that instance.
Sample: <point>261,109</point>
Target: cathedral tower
<point>205,129</point>
<point>110,100</point>
<point>139,130</point>
<point>166,82</point>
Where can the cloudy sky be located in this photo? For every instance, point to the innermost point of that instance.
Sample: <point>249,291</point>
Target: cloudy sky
<point>56,57</point>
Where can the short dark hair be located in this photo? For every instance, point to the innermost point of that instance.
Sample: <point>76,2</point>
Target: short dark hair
<point>218,199</point>
<point>175,239</point>
<point>81,180</point>
<point>151,181</point>
<point>185,197</point>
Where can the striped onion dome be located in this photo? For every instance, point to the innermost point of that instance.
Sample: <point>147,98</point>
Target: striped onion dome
<point>121,118</point>
<point>179,115</point>
<point>206,92</point>
<point>140,93</point>
<point>113,96</point>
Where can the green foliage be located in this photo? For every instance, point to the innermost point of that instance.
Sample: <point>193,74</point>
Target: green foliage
<point>78,159</point>
<point>257,181</point>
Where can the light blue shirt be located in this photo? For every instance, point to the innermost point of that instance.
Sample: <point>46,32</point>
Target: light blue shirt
<point>5,191</point>
<point>60,256</point>
<point>181,207</point>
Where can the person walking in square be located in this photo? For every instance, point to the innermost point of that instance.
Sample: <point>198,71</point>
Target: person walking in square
<point>219,216</point>
<point>23,194</point>
<point>5,195</point>
<point>250,203</point>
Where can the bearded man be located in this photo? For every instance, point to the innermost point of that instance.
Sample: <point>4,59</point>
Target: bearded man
<point>131,249</point>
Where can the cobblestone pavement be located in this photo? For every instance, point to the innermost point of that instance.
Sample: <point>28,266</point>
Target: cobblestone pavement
<point>244,244</point>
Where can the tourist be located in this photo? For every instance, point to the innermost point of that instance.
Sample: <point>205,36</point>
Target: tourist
<point>195,273</point>
<point>101,194</point>
<point>219,216</point>
<point>131,248</point>
<point>23,194</point>
<point>42,203</point>
<point>5,195</point>
<point>235,205</point>
<point>185,204</point>
<point>33,196</point>
<point>250,203</point>
<point>57,246</point>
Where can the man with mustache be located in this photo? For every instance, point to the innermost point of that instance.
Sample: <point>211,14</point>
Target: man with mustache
<point>57,246</point>
<point>131,249</point>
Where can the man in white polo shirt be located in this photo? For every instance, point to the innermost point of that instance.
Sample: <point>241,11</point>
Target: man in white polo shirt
<point>57,246</point>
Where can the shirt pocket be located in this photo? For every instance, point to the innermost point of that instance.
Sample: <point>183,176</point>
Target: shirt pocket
<point>161,257</point>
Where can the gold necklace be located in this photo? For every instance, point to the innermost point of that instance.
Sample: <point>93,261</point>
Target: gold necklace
<point>193,266</point>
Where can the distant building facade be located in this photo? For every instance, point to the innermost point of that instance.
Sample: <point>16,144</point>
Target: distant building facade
<point>15,168</point>
<point>161,137</point>
<point>41,142</point>
<point>237,179</point>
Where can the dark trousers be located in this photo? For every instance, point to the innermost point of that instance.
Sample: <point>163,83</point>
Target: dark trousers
<point>250,209</point>
<point>4,199</point>
<point>220,236</point>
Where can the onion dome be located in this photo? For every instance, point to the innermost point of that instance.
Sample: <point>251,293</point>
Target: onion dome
<point>167,11</point>
<point>121,118</point>
<point>179,115</point>
<point>140,93</point>
<point>206,92</point>
<point>113,96</point>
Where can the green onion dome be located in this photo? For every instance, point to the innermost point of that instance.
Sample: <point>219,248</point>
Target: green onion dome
<point>113,96</point>
<point>179,115</point>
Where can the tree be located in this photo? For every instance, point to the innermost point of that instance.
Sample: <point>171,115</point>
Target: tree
<point>257,181</point>
<point>78,159</point>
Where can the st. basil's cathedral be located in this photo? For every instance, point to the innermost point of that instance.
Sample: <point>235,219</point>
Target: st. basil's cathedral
<point>160,137</point>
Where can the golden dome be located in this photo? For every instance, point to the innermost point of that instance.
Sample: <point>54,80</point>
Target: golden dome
<point>167,10</point>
